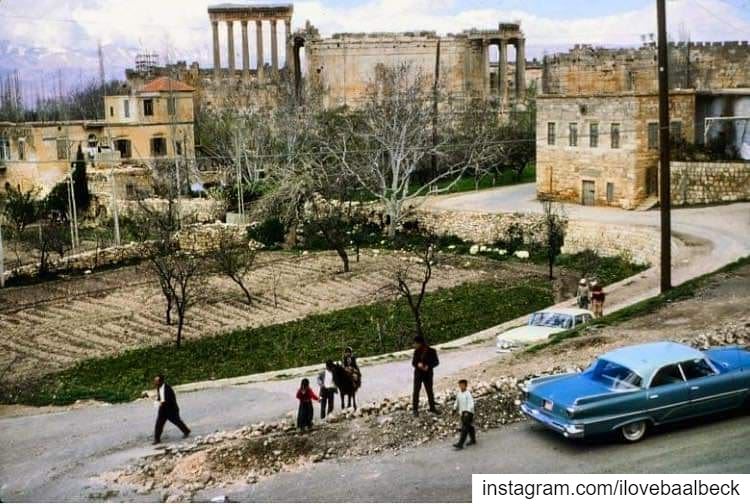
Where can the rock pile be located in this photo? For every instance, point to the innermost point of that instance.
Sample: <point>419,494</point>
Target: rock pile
<point>736,332</point>
<point>263,449</point>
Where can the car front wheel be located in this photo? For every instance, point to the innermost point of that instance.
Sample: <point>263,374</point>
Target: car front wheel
<point>633,432</point>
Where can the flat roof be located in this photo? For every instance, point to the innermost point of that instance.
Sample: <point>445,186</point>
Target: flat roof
<point>647,358</point>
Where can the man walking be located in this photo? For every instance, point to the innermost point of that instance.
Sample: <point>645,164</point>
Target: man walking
<point>327,389</point>
<point>166,401</point>
<point>465,408</point>
<point>425,359</point>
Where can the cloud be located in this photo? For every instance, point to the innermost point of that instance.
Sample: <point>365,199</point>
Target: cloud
<point>179,29</point>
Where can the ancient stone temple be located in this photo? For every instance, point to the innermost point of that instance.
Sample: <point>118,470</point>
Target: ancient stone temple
<point>250,17</point>
<point>474,62</point>
<point>344,63</point>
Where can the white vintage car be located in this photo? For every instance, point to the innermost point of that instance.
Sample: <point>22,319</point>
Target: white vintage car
<point>542,325</point>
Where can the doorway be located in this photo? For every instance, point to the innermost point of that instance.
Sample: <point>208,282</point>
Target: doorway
<point>588,193</point>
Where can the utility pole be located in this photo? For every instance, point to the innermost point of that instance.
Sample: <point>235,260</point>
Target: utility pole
<point>238,162</point>
<point>435,92</point>
<point>2,256</point>
<point>665,197</point>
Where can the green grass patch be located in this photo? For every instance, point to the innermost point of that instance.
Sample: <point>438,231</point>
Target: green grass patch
<point>448,314</point>
<point>467,183</point>
<point>683,291</point>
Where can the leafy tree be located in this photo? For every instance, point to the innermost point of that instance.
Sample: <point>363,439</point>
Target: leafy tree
<point>21,208</point>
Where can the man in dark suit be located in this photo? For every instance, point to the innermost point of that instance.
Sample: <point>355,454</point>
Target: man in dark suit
<point>424,360</point>
<point>168,409</point>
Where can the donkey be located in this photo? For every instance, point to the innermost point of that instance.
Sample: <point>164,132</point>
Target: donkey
<point>347,384</point>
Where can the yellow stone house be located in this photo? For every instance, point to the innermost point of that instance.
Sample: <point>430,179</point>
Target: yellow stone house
<point>140,127</point>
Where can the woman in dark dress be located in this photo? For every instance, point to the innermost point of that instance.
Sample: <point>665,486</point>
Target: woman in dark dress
<point>306,396</point>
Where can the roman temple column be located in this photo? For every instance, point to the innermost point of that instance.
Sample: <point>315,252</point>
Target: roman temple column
<point>503,71</point>
<point>520,69</point>
<point>289,42</point>
<point>217,54</point>
<point>259,46</point>
<point>230,46</point>
<point>274,47</point>
<point>245,50</point>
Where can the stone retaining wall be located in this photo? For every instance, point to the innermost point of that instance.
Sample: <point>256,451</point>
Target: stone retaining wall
<point>704,182</point>
<point>638,243</point>
<point>196,238</point>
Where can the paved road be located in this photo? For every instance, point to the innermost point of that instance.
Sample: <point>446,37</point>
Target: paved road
<point>437,473</point>
<point>710,237</point>
<point>50,457</point>
<point>53,456</point>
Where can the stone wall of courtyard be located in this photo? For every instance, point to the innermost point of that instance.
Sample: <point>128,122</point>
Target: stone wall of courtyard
<point>709,182</point>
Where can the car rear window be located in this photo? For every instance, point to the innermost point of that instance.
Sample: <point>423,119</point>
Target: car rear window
<point>613,375</point>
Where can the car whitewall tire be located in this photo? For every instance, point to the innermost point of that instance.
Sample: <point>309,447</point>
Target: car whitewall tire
<point>634,432</point>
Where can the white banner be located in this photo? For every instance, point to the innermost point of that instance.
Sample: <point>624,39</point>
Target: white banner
<point>615,488</point>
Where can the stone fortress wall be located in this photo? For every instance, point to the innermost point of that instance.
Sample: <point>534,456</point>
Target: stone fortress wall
<point>696,65</point>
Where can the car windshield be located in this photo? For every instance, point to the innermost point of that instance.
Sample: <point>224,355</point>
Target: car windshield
<point>551,319</point>
<point>613,375</point>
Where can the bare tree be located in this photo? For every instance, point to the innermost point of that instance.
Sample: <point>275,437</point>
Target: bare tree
<point>235,258</point>
<point>188,267</point>
<point>554,231</point>
<point>411,276</point>
<point>307,185</point>
<point>387,141</point>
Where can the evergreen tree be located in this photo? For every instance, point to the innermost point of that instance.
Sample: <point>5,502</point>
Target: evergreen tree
<point>80,182</point>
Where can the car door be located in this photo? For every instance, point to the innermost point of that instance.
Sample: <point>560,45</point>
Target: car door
<point>708,390</point>
<point>667,398</point>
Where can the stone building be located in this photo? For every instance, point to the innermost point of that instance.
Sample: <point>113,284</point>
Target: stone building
<point>147,124</point>
<point>597,117</point>
<point>345,63</point>
<point>342,64</point>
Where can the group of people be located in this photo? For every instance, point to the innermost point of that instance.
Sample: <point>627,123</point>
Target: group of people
<point>424,361</point>
<point>591,294</point>
<point>327,389</point>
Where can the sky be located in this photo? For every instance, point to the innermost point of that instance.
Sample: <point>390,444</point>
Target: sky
<point>38,37</point>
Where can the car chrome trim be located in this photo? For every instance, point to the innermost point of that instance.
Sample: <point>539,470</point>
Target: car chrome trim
<point>566,429</point>
<point>594,396</point>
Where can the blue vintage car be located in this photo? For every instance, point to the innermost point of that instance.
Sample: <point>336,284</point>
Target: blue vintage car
<point>632,388</point>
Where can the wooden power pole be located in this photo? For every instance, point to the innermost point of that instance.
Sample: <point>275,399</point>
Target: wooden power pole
<point>665,197</point>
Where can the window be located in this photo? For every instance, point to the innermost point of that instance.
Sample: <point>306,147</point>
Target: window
<point>667,376</point>
<point>573,134</point>
<point>126,108</point>
<point>551,133</point>
<point>122,145</point>
<point>92,141</point>
<point>111,111</point>
<point>178,148</point>
<point>21,149</point>
<point>148,107</point>
<point>614,135</point>
<point>675,130</point>
<point>130,190</point>
<point>614,375</point>
<point>594,135</point>
<point>62,148</point>
<point>158,147</point>
<point>610,192</point>
<point>697,368</point>
<point>4,149</point>
<point>653,135</point>
<point>171,105</point>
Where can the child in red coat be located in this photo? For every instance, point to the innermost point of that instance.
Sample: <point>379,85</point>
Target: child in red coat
<point>306,396</point>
